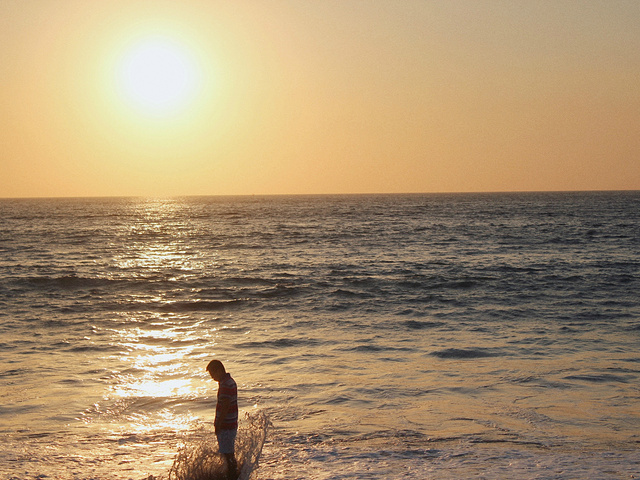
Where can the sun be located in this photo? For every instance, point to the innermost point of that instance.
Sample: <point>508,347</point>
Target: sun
<point>158,76</point>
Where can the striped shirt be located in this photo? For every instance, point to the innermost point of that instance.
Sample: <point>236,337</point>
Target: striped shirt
<point>227,388</point>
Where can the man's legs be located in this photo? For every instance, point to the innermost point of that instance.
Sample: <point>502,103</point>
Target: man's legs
<point>226,444</point>
<point>232,466</point>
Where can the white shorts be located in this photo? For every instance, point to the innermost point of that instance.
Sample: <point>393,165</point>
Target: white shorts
<point>226,440</point>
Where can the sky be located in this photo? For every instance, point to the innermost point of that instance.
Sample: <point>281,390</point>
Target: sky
<point>157,98</point>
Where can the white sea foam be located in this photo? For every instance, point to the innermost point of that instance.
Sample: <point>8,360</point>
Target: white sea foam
<point>201,461</point>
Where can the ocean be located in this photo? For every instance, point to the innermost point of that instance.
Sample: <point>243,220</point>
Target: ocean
<point>443,336</point>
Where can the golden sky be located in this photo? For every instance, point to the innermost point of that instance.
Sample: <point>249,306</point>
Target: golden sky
<point>107,97</point>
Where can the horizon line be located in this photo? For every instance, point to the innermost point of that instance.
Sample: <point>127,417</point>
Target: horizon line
<point>353,194</point>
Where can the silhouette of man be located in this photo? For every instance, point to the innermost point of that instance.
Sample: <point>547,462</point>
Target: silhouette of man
<point>226,422</point>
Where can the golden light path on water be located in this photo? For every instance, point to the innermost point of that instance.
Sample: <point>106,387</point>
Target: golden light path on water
<point>153,380</point>
<point>160,351</point>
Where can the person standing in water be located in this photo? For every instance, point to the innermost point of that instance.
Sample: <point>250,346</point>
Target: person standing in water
<point>226,422</point>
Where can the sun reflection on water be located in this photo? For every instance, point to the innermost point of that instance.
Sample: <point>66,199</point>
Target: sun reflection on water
<point>156,387</point>
<point>159,242</point>
<point>160,345</point>
<point>155,357</point>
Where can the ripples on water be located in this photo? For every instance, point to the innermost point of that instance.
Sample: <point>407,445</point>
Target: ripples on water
<point>385,336</point>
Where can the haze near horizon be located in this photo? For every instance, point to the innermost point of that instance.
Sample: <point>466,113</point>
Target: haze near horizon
<point>289,97</point>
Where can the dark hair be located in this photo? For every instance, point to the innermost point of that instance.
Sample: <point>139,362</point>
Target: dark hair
<point>215,365</point>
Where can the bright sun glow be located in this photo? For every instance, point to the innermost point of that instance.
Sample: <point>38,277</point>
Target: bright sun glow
<point>158,76</point>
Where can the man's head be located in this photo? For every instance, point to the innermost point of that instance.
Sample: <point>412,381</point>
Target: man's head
<point>216,370</point>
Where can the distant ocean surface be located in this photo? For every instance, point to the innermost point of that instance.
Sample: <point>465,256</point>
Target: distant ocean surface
<point>385,337</point>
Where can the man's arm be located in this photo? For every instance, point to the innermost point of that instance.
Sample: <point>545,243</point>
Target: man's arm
<point>224,405</point>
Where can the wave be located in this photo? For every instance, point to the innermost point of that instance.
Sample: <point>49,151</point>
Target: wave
<point>422,325</point>
<point>66,281</point>
<point>340,292</point>
<point>201,461</point>
<point>604,378</point>
<point>377,348</point>
<point>139,406</point>
<point>185,306</point>
<point>279,343</point>
<point>464,353</point>
<point>113,293</point>
<point>456,284</point>
<point>197,305</point>
<point>80,347</point>
<point>252,281</point>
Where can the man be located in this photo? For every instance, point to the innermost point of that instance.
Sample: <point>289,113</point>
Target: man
<point>226,422</point>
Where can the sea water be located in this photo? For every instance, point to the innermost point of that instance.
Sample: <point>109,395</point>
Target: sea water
<point>382,337</point>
